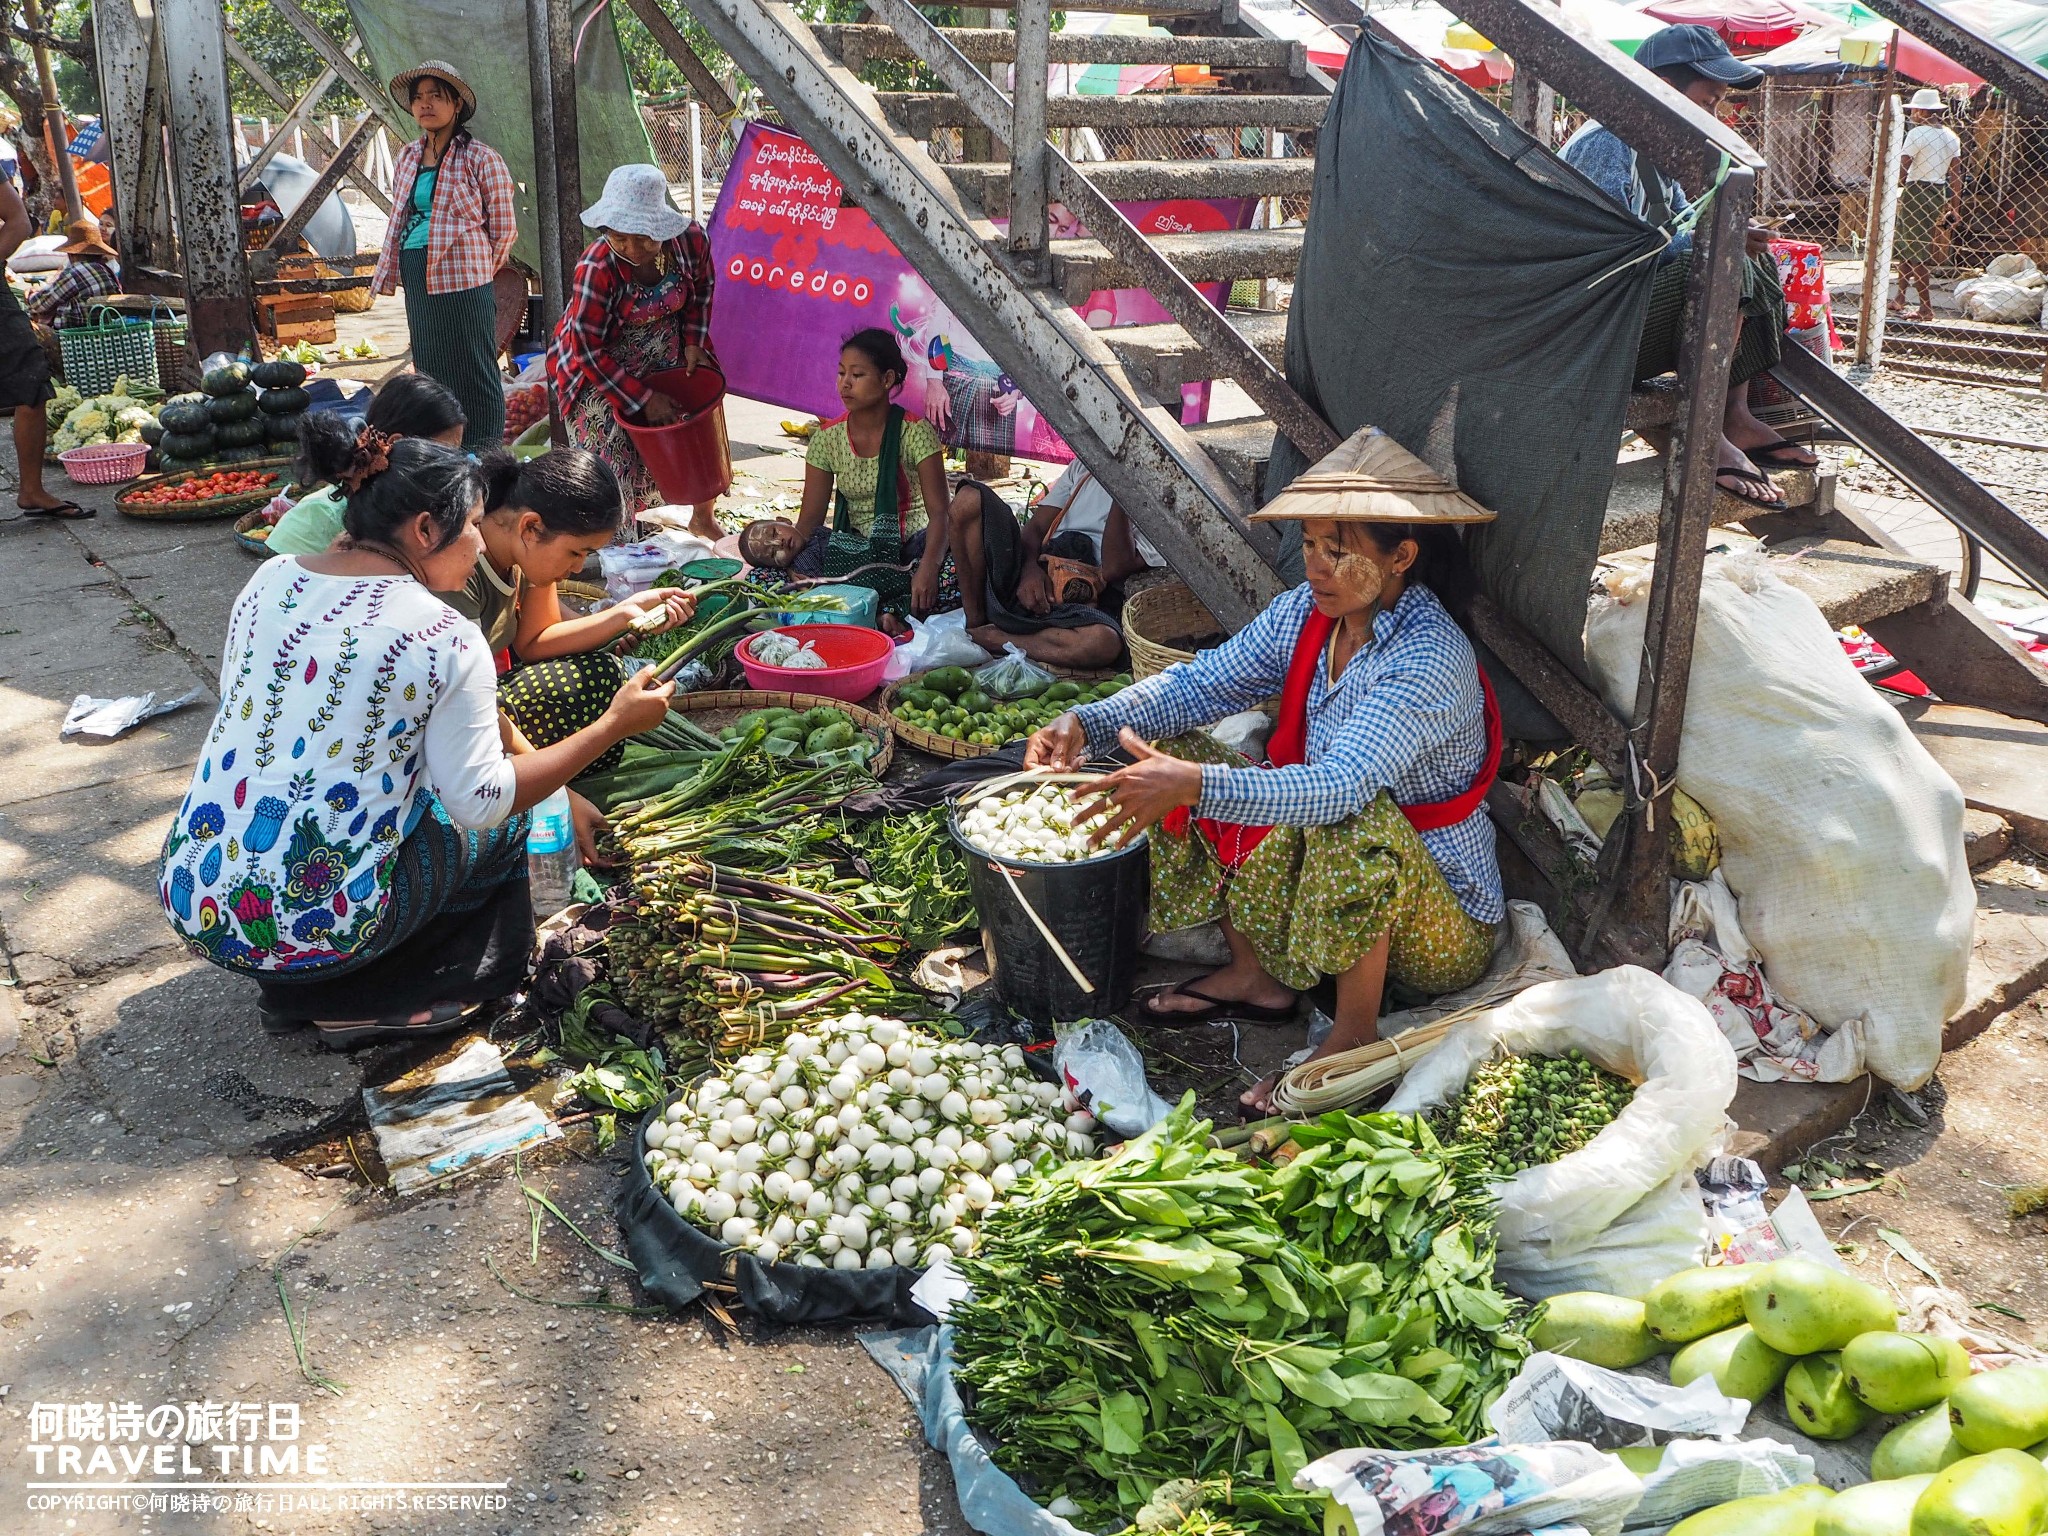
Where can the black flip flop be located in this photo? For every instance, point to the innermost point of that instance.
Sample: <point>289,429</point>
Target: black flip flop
<point>1774,455</point>
<point>71,511</point>
<point>442,1017</point>
<point>1777,502</point>
<point>1218,1008</point>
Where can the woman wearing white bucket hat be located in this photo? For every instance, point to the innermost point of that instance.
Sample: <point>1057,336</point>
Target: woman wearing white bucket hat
<point>1931,167</point>
<point>641,302</point>
<point>453,223</point>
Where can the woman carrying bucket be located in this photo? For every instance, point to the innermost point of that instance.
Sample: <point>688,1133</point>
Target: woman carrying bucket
<point>1361,848</point>
<point>640,306</point>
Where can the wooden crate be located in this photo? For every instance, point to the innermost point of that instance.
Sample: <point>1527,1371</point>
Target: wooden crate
<point>297,316</point>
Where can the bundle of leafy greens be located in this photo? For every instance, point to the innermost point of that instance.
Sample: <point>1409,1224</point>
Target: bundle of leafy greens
<point>1171,1314</point>
<point>913,860</point>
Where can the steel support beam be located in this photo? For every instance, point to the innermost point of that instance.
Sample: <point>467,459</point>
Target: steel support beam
<point>353,75</point>
<point>1210,328</point>
<point>558,174</point>
<point>703,83</point>
<point>1156,472</point>
<point>1706,349</point>
<point>309,126</point>
<point>1029,150</point>
<point>121,39</point>
<point>2019,79</point>
<point>287,234</point>
<point>1932,475</point>
<point>295,111</point>
<point>217,304</point>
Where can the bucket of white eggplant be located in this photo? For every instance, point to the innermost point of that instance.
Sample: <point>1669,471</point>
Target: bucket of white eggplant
<point>1061,923</point>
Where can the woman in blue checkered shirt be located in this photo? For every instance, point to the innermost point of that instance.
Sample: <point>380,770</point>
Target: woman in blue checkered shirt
<point>1361,849</point>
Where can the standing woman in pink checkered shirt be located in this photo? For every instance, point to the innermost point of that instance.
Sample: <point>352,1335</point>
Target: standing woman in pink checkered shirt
<point>641,302</point>
<point>452,226</point>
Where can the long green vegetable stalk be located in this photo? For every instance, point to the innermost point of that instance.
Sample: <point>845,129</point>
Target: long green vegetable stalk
<point>1172,1314</point>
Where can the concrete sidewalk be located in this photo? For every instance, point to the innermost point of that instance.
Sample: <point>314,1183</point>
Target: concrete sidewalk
<point>147,1223</point>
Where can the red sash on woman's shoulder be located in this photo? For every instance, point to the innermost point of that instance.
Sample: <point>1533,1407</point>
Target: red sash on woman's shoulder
<point>1288,746</point>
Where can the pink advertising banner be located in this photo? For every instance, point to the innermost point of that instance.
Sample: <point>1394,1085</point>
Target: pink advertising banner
<point>799,271</point>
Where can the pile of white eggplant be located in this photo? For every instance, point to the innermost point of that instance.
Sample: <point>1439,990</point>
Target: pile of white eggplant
<point>859,1144</point>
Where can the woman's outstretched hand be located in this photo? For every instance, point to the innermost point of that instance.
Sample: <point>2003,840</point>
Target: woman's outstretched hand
<point>640,705</point>
<point>1133,798</point>
<point>1058,744</point>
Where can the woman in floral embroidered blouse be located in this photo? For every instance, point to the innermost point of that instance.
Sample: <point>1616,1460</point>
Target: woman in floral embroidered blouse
<point>354,837</point>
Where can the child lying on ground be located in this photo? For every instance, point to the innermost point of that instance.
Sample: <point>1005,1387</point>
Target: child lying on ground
<point>774,549</point>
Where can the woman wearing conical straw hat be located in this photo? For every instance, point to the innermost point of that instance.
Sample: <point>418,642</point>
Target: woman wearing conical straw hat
<point>1360,850</point>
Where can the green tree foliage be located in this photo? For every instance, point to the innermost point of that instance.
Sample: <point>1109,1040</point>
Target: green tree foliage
<point>290,60</point>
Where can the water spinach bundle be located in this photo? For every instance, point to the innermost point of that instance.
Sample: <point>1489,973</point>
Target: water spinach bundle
<point>1171,1313</point>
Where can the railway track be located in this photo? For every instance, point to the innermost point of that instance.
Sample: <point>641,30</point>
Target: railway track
<point>1960,351</point>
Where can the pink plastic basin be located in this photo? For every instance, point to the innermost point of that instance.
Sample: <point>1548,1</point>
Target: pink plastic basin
<point>854,662</point>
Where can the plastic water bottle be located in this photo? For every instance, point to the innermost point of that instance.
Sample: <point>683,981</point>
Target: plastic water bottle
<point>551,861</point>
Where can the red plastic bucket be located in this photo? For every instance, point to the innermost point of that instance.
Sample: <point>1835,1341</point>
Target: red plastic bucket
<point>689,458</point>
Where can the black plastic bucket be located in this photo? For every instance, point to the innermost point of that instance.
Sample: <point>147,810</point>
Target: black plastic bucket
<point>1095,909</point>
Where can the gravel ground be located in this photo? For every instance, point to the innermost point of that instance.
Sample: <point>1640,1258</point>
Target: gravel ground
<point>2020,475</point>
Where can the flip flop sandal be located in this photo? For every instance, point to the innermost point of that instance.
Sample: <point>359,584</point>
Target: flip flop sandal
<point>275,1023</point>
<point>443,1016</point>
<point>1777,502</point>
<point>69,510</point>
<point>1778,455</point>
<point>1217,1008</point>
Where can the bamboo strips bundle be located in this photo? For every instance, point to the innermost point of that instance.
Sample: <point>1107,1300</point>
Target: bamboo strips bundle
<point>1351,1077</point>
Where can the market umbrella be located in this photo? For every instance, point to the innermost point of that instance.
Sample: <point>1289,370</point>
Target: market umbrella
<point>1870,47</point>
<point>1605,19</point>
<point>1108,79</point>
<point>1747,25</point>
<point>1426,28</point>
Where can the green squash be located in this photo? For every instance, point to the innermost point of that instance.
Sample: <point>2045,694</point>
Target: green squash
<point>283,402</point>
<point>236,407</point>
<point>238,434</point>
<point>187,445</point>
<point>279,373</point>
<point>227,379</point>
<point>185,413</point>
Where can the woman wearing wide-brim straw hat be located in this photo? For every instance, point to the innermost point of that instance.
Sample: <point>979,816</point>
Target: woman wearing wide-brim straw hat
<point>640,303</point>
<point>453,223</point>
<point>1360,849</point>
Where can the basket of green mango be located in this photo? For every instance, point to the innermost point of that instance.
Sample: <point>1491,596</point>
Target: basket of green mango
<point>807,727</point>
<point>942,711</point>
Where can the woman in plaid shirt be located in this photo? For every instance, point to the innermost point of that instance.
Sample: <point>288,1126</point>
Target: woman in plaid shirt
<point>453,223</point>
<point>640,303</point>
<point>1361,849</point>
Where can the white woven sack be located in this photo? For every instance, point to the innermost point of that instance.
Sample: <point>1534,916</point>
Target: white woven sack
<point>1622,1212</point>
<point>1841,838</point>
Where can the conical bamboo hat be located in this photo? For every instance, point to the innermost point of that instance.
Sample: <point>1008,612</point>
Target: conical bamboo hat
<point>1370,478</point>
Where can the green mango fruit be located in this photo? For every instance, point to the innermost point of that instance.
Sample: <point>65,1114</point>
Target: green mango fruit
<point>1741,1364</point>
<point>1818,1400</point>
<point>1921,1444</point>
<point>2000,1410</point>
<point>1803,1308</point>
<point>2004,1493</point>
<point>2038,1452</point>
<point>1694,1303</point>
<point>1595,1327</point>
<point>1791,1513</point>
<point>1641,1459</point>
<point>1873,1509</point>
<point>1904,1372</point>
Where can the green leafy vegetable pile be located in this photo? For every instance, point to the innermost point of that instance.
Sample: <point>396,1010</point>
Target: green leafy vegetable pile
<point>1171,1313</point>
<point>913,860</point>
<point>1522,1111</point>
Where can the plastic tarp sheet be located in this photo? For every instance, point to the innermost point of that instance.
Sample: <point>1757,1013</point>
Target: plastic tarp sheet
<point>486,41</point>
<point>920,1361</point>
<point>1448,250</point>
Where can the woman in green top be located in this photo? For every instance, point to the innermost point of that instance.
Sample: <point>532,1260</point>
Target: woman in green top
<point>411,405</point>
<point>883,473</point>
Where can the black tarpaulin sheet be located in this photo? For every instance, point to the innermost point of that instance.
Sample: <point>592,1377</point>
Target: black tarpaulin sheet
<point>1447,248</point>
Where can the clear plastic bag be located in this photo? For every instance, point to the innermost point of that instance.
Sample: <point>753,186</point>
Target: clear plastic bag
<point>1474,1490</point>
<point>940,641</point>
<point>1013,675</point>
<point>1104,1071</point>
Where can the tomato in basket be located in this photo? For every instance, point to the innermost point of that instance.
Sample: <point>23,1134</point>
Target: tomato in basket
<point>224,482</point>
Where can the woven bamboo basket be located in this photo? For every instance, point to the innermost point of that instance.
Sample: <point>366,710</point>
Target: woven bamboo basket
<point>719,707</point>
<point>917,736</point>
<point>200,511</point>
<point>1168,611</point>
<point>245,532</point>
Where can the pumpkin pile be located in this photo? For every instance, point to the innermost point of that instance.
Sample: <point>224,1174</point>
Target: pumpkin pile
<point>240,414</point>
